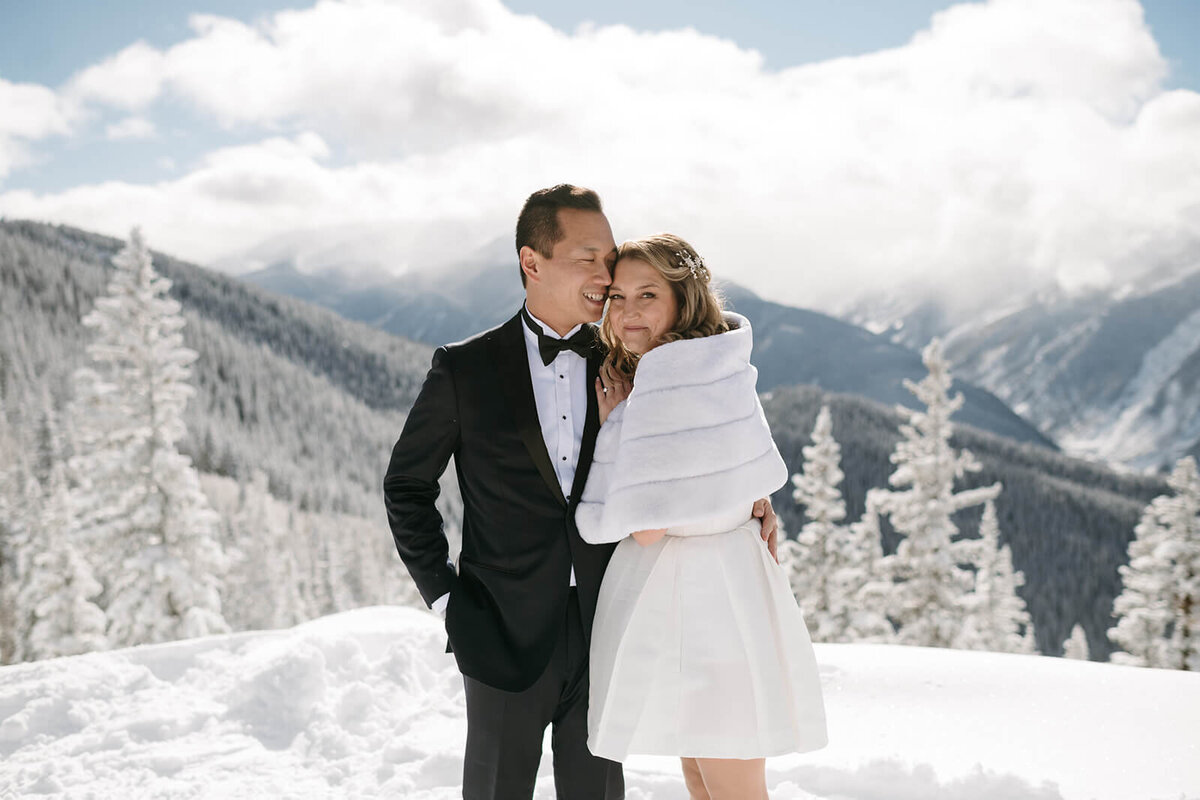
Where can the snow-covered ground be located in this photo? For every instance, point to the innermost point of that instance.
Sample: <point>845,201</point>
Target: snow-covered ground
<point>366,704</point>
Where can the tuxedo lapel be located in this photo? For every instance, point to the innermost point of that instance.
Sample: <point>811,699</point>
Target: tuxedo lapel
<point>591,427</point>
<point>518,385</point>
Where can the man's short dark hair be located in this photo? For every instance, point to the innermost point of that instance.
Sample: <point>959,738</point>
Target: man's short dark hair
<point>538,227</point>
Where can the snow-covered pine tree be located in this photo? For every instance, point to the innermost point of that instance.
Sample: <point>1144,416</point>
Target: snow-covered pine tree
<point>925,602</point>
<point>291,606</point>
<point>264,583</point>
<point>820,544</point>
<point>995,615</point>
<point>149,525</point>
<point>829,564</point>
<point>8,539</point>
<point>48,448</point>
<point>316,581</point>
<point>863,581</point>
<point>55,598</point>
<point>384,577</point>
<point>20,511</point>
<point>1076,647</point>
<point>1158,610</point>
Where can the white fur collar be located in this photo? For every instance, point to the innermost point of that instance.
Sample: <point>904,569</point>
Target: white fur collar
<point>690,442</point>
<point>691,361</point>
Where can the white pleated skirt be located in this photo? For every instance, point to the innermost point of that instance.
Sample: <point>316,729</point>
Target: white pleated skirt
<point>700,650</point>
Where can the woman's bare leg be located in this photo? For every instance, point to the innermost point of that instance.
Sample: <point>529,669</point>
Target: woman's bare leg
<point>693,780</point>
<point>734,778</point>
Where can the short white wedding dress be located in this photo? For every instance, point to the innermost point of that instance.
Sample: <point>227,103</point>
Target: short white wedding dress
<point>698,646</point>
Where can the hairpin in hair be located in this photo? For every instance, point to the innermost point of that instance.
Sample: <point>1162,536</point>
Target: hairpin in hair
<point>694,265</point>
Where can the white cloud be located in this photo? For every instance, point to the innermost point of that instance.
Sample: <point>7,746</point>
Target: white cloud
<point>1011,143</point>
<point>131,128</point>
<point>31,111</point>
<point>28,112</point>
<point>232,200</point>
<point>129,80</point>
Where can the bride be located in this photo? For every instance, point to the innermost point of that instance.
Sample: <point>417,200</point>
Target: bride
<point>698,647</point>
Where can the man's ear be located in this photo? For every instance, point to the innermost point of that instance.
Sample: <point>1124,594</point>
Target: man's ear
<point>529,263</point>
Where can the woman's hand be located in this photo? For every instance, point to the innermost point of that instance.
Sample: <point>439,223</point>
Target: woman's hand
<point>611,389</point>
<point>770,525</point>
<point>648,537</point>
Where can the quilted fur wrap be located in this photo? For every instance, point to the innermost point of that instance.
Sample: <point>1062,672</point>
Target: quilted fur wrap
<point>689,443</point>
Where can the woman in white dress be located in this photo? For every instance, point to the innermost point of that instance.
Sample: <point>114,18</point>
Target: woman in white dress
<point>698,647</point>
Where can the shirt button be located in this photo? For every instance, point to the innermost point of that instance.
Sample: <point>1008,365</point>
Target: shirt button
<point>564,416</point>
<point>562,376</point>
<point>564,458</point>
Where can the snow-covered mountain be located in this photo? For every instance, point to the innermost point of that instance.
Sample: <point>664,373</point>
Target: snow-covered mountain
<point>291,422</point>
<point>366,704</point>
<point>792,345</point>
<point>434,309</point>
<point>1113,375</point>
<point>316,401</point>
<point>312,399</point>
<point>797,346</point>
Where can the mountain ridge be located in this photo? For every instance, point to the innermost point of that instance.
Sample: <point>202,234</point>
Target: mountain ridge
<point>792,345</point>
<point>277,382</point>
<point>265,362</point>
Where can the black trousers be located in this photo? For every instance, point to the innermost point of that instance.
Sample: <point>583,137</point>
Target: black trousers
<point>505,730</point>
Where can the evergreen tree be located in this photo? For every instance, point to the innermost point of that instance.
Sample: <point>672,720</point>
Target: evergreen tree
<point>1158,610</point>
<point>1077,646</point>
<point>8,539</point>
<point>829,564</point>
<point>264,583</point>
<point>49,449</point>
<point>147,518</point>
<point>995,616</point>
<point>862,580</point>
<point>57,590</point>
<point>20,512</point>
<point>821,541</point>
<point>316,579</point>
<point>929,582</point>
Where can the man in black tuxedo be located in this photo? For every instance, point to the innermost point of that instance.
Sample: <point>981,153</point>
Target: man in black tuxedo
<point>515,407</point>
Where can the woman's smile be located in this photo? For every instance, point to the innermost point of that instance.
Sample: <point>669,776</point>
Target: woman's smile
<point>641,305</point>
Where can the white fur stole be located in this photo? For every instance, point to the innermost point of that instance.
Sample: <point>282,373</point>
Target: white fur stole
<point>688,443</point>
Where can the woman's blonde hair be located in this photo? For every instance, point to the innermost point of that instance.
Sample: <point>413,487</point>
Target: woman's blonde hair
<point>698,303</point>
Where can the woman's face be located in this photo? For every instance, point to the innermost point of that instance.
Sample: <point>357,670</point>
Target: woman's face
<point>641,305</point>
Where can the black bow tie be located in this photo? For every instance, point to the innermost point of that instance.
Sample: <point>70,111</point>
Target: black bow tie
<point>582,342</point>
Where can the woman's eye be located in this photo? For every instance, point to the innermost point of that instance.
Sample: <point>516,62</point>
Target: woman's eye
<point>612,296</point>
<point>650,295</point>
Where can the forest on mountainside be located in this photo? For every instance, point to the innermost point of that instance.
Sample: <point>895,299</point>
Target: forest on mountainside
<point>1068,521</point>
<point>315,402</point>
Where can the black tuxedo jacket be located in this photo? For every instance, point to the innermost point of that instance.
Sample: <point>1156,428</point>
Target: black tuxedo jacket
<point>519,539</point>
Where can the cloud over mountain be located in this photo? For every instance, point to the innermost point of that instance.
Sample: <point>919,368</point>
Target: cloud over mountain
<point>1011,143</point>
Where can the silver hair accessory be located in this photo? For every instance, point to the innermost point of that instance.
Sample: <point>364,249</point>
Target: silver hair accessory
<point>695,265</point>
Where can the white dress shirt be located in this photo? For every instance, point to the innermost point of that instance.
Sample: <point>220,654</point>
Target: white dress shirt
<point>560,394</point>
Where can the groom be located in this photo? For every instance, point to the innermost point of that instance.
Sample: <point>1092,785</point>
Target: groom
<point>516,409</point>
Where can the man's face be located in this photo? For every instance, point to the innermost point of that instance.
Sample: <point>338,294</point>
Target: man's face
<point>570,287</point>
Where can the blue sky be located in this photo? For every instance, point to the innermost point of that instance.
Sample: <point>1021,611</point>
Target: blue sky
<point>900,141</point>
<point>787,32</point>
